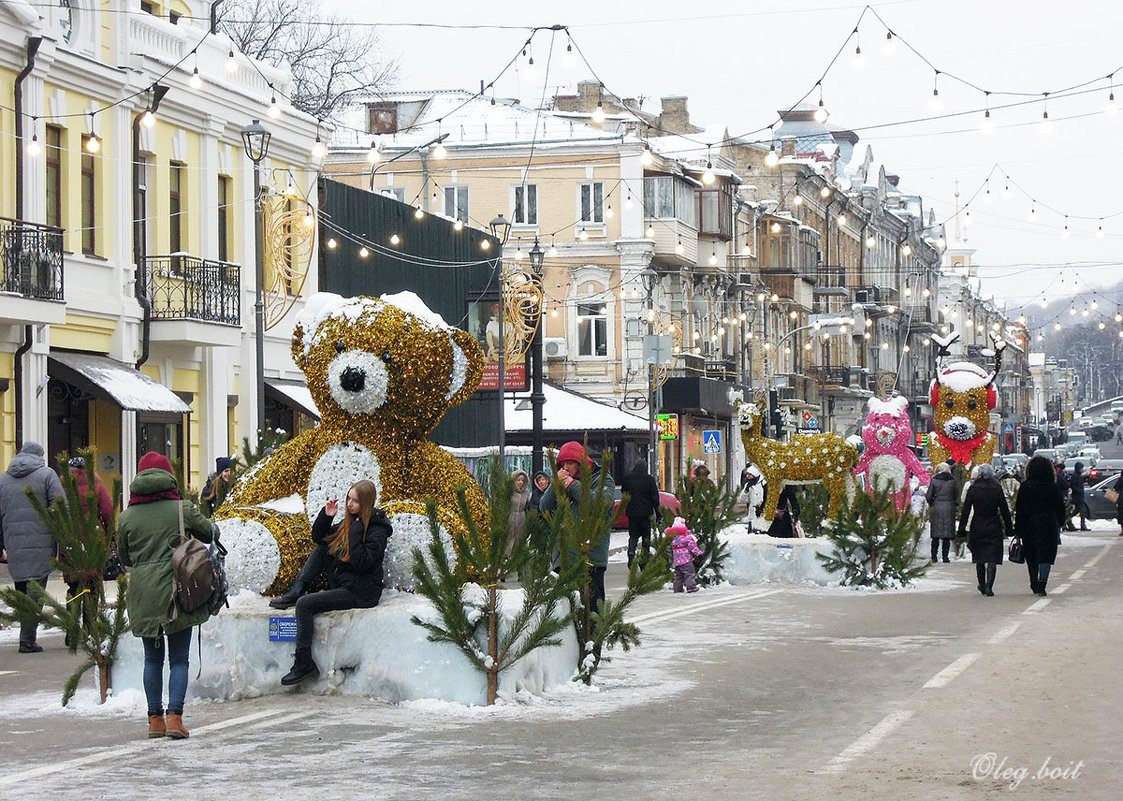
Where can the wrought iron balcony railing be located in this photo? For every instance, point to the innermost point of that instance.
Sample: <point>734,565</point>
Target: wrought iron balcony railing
<point>31,259</point>
<point>181,287</point>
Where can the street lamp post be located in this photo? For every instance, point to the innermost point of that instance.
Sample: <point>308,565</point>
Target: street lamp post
<point>650,278</point>
<point>255,139</point>
<point>537,398</point>
<point>500,228</point>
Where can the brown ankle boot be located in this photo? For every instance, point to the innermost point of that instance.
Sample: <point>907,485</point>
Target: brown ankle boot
<point>156,726</point>
<point>175,727</point>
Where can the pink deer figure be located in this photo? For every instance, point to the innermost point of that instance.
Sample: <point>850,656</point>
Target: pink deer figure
<point>887,460</point>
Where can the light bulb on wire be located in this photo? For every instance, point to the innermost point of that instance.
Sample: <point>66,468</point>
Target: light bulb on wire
<point>196,80</point>
<point>33,148</point>
<point>889,46</point>
<point>1111,107</point>
<point>274,109</point>
<point>859,61</point>
<point>148,119</point>
<point>987,125</point>
<point>319,150</point>
<point>231,62</point>
<point>937,103</point>
<point>374,155</point>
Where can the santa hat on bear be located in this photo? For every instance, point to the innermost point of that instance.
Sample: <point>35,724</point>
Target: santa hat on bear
<point>677,527</point>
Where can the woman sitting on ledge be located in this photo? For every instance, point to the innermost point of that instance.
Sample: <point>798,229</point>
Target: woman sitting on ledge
<point>352,555</point>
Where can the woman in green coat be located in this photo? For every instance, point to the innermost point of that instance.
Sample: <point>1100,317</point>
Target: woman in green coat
<point>146,533</point>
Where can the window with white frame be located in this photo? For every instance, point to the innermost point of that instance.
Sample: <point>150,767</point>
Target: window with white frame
<point>592,329</point>
<point>396,192</point>
<point>456,202</point>
<point>591,202</point>
<point>525,205</point>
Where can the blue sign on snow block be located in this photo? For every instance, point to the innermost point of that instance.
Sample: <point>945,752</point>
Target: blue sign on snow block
<point>282,629</point>
<point>711,441</point>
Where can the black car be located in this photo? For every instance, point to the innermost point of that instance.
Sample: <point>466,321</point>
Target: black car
<point>1098,506</point>
<point>1105,468</point>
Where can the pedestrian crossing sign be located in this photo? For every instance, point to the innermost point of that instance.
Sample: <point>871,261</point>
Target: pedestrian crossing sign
<point>711,441</point>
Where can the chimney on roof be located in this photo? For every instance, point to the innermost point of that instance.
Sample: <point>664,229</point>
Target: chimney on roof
<point>787,146</point>
<point>588,95</point>
<point>675,117</point>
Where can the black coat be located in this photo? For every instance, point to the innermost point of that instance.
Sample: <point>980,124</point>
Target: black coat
<point>787,513</point>
<point>1039,514</point>
<point>990,523</point>
<point>362,572</point>
<point>643,493</point>
<point>941,498</point>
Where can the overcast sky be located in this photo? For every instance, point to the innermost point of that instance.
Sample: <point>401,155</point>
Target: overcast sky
<point>739,62</point>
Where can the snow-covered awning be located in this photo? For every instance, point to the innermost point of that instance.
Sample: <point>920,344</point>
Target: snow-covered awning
<point>124,385</point>
<point>294,394</point>
<point>570,411</point>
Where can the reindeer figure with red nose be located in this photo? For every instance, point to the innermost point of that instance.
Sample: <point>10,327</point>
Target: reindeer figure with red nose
<point>962,395</point>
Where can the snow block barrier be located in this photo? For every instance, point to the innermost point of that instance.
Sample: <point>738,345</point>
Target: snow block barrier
<point>374,652</point>
<point>758,558</point>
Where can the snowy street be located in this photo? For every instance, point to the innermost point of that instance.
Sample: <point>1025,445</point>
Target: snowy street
<point>778,691</point>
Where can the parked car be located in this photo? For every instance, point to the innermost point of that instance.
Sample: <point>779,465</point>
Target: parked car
<point>1105,468</point>
<point>1020,459</point>
<point>1099,508</point>
<point>1052,454</point>
<point>666,500</point>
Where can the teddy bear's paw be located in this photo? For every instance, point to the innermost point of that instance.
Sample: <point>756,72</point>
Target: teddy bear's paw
<point>411,530</point>
<point>254,557</point>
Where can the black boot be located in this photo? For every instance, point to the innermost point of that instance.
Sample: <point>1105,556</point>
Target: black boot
<point>980,573</point>
<point>289,598</point>
<point>1035,586</point>
<point>302,668</point>
<point>991,570</point>
<point>1041,588</point>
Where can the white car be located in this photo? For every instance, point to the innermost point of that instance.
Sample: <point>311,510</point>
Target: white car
<point>1090,451</point>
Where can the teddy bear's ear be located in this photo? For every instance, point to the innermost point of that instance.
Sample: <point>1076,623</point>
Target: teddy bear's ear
<point>467,367</point>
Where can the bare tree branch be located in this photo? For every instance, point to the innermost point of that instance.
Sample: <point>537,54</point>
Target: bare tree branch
<point>332,61</point>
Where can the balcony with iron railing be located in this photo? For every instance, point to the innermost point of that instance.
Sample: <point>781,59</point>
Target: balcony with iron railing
<point>182,289</point>
<point>31,272</point>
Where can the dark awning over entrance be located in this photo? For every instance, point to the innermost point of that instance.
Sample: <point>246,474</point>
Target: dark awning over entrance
<point>121,383</point>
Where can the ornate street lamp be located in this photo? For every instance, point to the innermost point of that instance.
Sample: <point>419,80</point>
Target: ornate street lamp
<point>650,278</point>
<point>537,398</point>
<point>500,228</point>
<point>255,138</point>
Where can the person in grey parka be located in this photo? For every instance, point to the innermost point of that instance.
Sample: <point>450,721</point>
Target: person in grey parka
<point>24,537</point>
<point>941,500</point>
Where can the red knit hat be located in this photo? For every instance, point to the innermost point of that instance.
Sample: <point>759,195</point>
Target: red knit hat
<point>573,452</point>
<point>153,459</point>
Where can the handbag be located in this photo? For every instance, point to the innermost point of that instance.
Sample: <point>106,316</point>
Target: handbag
<point>113,567</point>
<point>1112,495</point>
<point>1017,555</point>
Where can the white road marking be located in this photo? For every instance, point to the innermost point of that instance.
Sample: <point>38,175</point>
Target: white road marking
<point>868,741</point>
<point>944,677</point>
<point>7,672</point>
<point>1004,634</point>
<point>1076,576</point>
<point>1036,606</point>
<point>1060,588</point>
<point>1100,555</point>
<point>124,751</point>
<point>699,607</point>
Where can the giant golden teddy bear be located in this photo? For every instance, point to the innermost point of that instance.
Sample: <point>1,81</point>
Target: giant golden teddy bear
<point>962,395</point>
<point>382,371</point>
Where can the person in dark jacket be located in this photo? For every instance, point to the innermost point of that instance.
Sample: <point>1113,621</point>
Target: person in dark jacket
<point>787,512</point>
<point>571,458</point>
<point>1039,513</point>
<point>1118,487</point>
<point>985,505</point>
<point>218,485</point>
<point>1062,485</point>
<point>941,497</point>
<point>1076,484</point>
<point>145,531</point>
<point>352,554</point>
<point>24,537</point>
<point>643,500</point>
<point>539,486</point>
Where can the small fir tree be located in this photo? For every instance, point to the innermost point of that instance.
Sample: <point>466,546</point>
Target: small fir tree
<point>267,441</point>
<point>875,544</point>
<point>91,623</point>
<point>467,596</point>
<point>577,530</point>
<point>708,509</point>
<point>814,501</point>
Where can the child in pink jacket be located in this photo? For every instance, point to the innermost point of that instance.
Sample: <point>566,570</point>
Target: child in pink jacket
<point>683,550</point>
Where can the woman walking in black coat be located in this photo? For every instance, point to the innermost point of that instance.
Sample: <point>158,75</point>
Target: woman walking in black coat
<point>1039,514</point>
<point>941,500</point>
<point>352,555</point>
<point>990,523</point>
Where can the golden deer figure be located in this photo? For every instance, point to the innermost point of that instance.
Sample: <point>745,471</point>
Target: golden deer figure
<point>804,459</point>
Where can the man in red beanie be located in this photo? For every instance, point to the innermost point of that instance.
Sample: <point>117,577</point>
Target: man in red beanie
<point>571,459</point>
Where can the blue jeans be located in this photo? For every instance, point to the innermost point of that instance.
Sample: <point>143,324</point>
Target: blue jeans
<point>179,646</point>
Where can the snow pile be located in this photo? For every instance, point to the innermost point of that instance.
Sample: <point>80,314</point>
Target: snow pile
<point>757,558</point>
<point>373,652</point>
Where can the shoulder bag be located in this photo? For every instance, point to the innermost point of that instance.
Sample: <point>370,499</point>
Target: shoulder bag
<point>1017,555</point>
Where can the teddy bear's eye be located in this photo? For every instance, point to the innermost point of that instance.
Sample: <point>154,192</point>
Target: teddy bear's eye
<point>386,357</point>
<point>971,404</point>
<point>949,403</point>
<point>340,347</point>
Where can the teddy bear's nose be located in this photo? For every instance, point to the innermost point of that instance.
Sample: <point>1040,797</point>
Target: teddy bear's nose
<point>353,379</point>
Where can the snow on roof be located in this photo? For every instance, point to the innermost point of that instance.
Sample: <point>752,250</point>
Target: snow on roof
<point>570,411</point>
<point>129,387</point>
<point>469,119</point>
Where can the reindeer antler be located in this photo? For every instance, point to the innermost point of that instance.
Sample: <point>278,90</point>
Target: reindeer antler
<point>999,346</point>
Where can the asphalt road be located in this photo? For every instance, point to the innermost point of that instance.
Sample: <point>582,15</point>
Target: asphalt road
<point>769,691</point>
